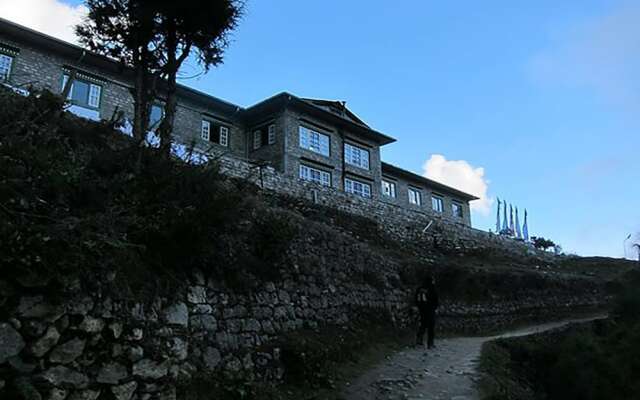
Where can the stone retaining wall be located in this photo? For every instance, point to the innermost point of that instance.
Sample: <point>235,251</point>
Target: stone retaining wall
<point>92,342</point>
<point>400,222</point>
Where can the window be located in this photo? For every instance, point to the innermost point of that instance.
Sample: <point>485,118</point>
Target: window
<point>257,139</point>
<point>215,133</point>
<point>155,116</point>
<point>272,134</point>
<point>357,187</point>
<point>388,189</point>
<point>314,141</point>
<point>205,132</point>
<point>224,136</point>
<point>437,204</point>
<point>315,175</point>
<point>415,197</point>
<point>357,156</point>
<point>456,208</point>
<point>5,67</point>
<point>83,93</point>
<point>264,135</point>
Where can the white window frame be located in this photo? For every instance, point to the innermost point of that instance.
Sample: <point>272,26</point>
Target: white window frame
<point>356,155</point>
<point>314,141</point>
<point>415,196</point>
<point>6,62</point>
<point>457,205</point>
<point>224,136</point>
<point>358,188</point>
<point>391,186</point>
<point>311,174</point>
<point>205,130</point>
<point>257,139</point>
<point>94,96</point>
<point>272,134</point>
<point>437,203</point>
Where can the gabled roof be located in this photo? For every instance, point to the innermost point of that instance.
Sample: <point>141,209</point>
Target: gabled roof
<point>403,173</point>
<point>319,109</point>
<point>338,108</point>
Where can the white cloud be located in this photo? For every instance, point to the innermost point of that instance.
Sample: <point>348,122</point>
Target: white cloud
<point>600,54</point>
<point>53,17</point>
<point>463,176</point>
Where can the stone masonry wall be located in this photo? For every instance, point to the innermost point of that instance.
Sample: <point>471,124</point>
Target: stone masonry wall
<point>95,342</point>
<point>402,223</point>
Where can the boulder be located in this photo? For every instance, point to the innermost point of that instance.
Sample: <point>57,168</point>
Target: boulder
<point>84,395</point>
<point>68,351</point>
<point>36,307</point>
<point>177,314</point>
<point>91,324</point>
<point>11,343</point>
<point>150,369</point>
<point>211,358</point>
<point>203,322</point>
<point>124,392</point>
<point>197,295</point>
<point>61,376</point>
<point>41,346</point>
<point>57,394</point>
<point>112,373</point>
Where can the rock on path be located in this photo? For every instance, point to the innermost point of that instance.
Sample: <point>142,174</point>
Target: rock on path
<point>448,372</point>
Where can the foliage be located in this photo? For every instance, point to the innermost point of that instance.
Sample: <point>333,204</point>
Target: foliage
<point>76,198</point>
<point>542,243</point>
<point>310,357</point>
<point>596,361</point>
<point>125,30</point>
<point>156,37</point>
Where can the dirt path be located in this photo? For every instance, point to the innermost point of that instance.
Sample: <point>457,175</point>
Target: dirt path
<point>449,372</point>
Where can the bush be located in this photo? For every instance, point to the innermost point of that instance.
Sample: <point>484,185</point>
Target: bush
<point>78,198</point>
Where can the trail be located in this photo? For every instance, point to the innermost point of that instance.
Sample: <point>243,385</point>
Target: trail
<point>448,372</point>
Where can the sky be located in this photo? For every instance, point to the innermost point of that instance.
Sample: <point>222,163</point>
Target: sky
<point>534,102</point>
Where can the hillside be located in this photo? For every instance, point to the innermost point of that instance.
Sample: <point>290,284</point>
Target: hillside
<point>171,274</point>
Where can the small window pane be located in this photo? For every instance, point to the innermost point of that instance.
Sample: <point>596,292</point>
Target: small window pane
<point>315,175</point>
<point>5,67</point>
<point>415,197</point>
<point>388,189</point>
<point>314,141</point>
<point>224,136</point>
<point>257,139</point>
<point>457,210</point>
<point>437,204</point>
<point>80,92</point>
<point>272,134</point>
<point>205,132</point>
<point>94,95</point>
<point>357,187</point>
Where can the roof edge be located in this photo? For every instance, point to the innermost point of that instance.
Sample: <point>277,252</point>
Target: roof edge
<point>430,182</point>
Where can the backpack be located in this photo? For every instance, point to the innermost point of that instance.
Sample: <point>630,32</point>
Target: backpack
<point>422,296</point>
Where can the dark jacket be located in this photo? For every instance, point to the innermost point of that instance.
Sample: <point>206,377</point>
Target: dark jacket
<point>426,298</point>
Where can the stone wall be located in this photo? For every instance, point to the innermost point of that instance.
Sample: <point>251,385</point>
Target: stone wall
<point>406,224</point>
<point>93,341</point>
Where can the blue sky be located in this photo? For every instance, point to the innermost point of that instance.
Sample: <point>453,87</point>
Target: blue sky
<point>534,103</point>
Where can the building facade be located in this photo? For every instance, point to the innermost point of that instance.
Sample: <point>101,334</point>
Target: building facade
<point>314,140</point>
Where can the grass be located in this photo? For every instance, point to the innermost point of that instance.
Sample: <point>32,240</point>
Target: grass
<point>593,361</point>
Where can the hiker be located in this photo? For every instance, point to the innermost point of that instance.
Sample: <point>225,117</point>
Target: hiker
<point>427,303</point>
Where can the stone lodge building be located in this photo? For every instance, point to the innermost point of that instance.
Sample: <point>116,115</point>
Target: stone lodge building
<point>303,139</point>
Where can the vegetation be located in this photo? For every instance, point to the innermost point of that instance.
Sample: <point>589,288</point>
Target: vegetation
<point>72,203</point>
<point>596,361</point>
<point>155,38</point>
<point>542,243</point>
